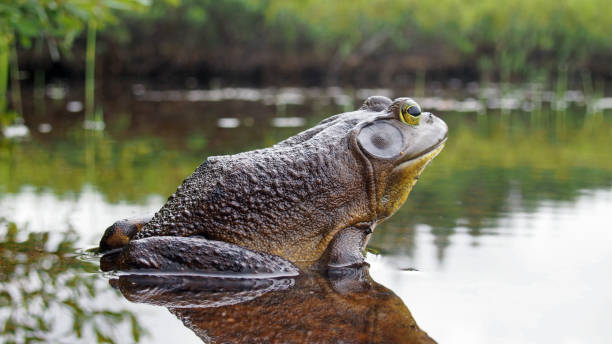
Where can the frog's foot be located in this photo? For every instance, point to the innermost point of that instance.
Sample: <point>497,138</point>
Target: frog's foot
<point>121,232</point>
<point>194,254</point>
<point>346,248</point>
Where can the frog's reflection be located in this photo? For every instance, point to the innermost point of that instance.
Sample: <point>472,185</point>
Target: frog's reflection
<point>345,305</point>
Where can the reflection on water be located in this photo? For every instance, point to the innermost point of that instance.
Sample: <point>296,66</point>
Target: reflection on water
<point>509,225</point>
<point>542,278</point>
<point>48,294</point>
<point>346,306</point>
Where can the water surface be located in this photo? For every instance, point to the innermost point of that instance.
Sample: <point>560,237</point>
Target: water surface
<point>504,239</point>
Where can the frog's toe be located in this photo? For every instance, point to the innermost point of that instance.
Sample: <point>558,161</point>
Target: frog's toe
<point>120,233</point>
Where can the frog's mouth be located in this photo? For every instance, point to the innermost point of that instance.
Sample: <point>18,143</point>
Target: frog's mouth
<point>424,156</point>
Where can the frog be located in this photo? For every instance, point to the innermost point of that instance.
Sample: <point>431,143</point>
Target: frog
<point>311,201</point>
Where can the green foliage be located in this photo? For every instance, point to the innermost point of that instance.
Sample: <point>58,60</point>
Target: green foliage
<point>515,39</point>
<point>509,33</point>
<point>522,39</point>
<point>62,20</point>
<point>57,21</point>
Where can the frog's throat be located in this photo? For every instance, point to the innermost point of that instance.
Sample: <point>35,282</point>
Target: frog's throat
<point>402,179</point>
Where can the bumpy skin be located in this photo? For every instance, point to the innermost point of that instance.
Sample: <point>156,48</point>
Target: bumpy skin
<point>288,199</point>
<point>312,197</point>
<point>168,254</point>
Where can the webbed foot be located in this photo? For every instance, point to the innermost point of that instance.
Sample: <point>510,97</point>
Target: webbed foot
<point>121,232</point>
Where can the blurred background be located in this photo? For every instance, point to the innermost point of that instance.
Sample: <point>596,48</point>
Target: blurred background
<point>107,105</point>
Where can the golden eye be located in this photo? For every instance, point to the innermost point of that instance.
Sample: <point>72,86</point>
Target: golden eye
<point>409,114</point>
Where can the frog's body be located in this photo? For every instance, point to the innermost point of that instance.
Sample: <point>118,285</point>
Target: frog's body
<point>314,196</point>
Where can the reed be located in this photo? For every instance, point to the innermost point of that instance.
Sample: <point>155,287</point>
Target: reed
<point>90,71</point>
<point>39,81</point>
<point>15,78</point>
<point>4,68</point>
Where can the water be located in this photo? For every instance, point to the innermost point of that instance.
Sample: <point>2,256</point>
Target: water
<point>504,239</point>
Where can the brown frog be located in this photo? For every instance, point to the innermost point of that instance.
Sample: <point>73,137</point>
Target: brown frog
<point>310,201</point>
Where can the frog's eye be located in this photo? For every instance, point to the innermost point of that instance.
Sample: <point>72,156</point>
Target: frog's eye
<point>409,114</point>
<point>381,139</point>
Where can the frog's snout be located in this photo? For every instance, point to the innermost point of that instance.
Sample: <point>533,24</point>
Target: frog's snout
<point>437,122</point>
<point>429,117</point>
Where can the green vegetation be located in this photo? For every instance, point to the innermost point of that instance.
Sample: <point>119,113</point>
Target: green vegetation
<point>381,42</point>
<point>495,40</point>
<point>58,23</point>
<point>504,41</point>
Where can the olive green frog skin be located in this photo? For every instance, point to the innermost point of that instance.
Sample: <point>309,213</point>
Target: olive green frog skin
<point>312,200</point>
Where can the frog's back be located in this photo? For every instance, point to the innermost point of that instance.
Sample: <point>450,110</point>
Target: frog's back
<point>269,198</point>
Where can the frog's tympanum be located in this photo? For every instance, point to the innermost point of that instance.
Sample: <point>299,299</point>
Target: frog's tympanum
<point>346,306</point>
<point>310,201</point>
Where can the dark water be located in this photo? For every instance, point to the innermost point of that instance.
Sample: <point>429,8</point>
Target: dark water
<point>505,238</point>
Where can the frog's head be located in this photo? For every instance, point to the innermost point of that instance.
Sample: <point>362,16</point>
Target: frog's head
<point>360,167</point>
<point>395,145</point>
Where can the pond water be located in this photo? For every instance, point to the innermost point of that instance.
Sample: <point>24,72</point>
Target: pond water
<point>505,238</point>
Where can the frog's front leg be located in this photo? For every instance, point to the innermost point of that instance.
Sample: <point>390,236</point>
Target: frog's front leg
<point>121,232</point>
<point>347,247</point>
<point>197,254</point>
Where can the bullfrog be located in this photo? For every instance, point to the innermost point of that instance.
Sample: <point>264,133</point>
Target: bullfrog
<point>311,201</point>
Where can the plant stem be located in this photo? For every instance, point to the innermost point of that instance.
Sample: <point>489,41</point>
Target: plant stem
<point>39,80</point>
<point>90,70</point>
<point>4,66</point>
<point>15,83</point>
